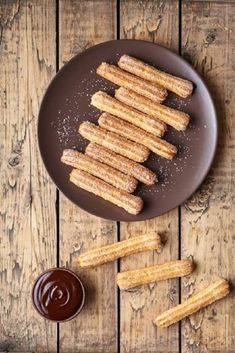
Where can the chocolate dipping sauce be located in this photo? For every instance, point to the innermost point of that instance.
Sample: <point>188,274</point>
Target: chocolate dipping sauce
<point>58,294</point>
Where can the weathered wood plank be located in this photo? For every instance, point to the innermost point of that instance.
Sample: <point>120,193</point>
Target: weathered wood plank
<point>222,2</point>
<point>83,24</point>
<point>208,218</point>
<point>154,21</point>
<point>27,207</point>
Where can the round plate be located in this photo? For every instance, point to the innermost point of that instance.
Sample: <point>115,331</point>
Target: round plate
<point>67,103</point>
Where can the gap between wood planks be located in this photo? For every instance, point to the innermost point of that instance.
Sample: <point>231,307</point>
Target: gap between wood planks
<point>57,190</point>
<point>118,223</point>
<point>179,208</point>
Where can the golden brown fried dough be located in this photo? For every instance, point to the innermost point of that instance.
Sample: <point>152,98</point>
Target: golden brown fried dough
<point>114,142</point>
<point>122,78</point>
<point>172,269</point>
<point>173,117</point>
<point>134,133</point>
<point>121,163</point>
<point>206,296</point>
<point>132,204</point>
<point>103,101</point>
<point>92,258</point>
<point>174,84</point>
<point>110,175</point>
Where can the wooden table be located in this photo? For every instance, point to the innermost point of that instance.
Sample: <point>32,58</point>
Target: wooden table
<point>40,228</point>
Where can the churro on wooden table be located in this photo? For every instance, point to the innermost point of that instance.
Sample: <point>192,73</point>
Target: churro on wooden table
<point>215,291</point>
<point>134,133</point>
<point>122,78</point>
<point>132,204</point>
<point>103,101</point>
<point>121,163</point>
<point>172,269</point>
<point>112,176</point>
<point>173,83</point>
<point>92,258</point>
<point>173,117</point>
<point>114,142</point>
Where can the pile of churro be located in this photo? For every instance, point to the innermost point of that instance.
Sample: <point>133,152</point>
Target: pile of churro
<point>132,125</point>
<point>160,272</point>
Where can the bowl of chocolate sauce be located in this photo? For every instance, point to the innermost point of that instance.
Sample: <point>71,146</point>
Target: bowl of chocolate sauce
<point>58,294</point>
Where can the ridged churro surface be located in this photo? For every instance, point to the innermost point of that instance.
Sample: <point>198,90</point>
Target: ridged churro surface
<point>92,258</point>
<point>132,204</point>
<point>174,84</point>
<point>173,117</point>
<point>103,101</point>
<point>114,142</point>
<point>206,296</point>
<point>121,163</point>
<point>122,78</point>
<point>172,269</point>
<point>134,133</point>
<point>112,176</point>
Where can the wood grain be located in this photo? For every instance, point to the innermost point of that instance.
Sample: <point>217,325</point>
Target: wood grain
<point>27,207</point>
<point>222,2</point>
<point>154,21</point>
<point>208,217</point>
<point>83,24</point>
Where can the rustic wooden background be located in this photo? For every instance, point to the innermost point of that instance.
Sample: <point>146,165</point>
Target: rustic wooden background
<point>40,228</point>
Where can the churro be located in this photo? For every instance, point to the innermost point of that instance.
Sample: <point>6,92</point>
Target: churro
<point>92,258</point>
<point>113,106</point>
<point>121,163</point>
<point>132,204</point>
<point>110,175</point>
<point>114,142</point>
<point>175,84</point>
<point>206,296</point>
<point>122,78</point>
<point>172,269</point>
<point>173,117</point>
<point>134,133</point>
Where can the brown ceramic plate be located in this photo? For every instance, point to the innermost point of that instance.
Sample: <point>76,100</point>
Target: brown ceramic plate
<point>67,103</point>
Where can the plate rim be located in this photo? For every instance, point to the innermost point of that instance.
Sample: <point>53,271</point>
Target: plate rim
<point>214,147</point>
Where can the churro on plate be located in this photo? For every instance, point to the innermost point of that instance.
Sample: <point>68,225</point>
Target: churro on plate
<point>92,258</point>
<point>112,176</point>
<point>215,291</point>
<point>134,133</point>
<point>121,163</point>
<point>174,84</point>
<point>114,142</point>
<point>130,128</point>
<point>173,117</point>
<point>172,269</point>
<point>103,101</point>
<point>122,78</point>
<point>132,204</point>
